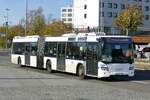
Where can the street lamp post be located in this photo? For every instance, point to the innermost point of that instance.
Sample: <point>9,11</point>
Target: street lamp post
<point>26,19</point>
<point>100,15</point>
<point>6,18</point>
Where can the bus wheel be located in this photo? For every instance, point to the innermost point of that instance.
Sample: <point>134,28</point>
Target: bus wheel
<point>81,72</point>
<point>48,66</point>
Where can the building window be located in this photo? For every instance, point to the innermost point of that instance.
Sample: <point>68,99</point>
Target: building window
<point>146,8</point>
<point>102,14</point>
<point>69,15</point>
<point>109,14</point>
<point>123,6</point>
<point>115,14</point>
<point>85,6</point>
<point>134,0</point>
<point>85,15</point>
<point>146,17</point>
<point>69,10</point>
<point>146,0</point>
<point>109,5</point>
<point>140,0</point>
<point>63,15</point>
<point>140,7</point>
<point>115,5</point>
<point>102,4</point>
<point>64,19</point>
<point>64,10</point>
<point>69,19</point>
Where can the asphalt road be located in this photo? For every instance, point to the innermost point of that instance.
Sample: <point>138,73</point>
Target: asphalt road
<point>24,83</point>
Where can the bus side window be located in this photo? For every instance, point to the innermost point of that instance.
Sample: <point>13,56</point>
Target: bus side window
<point>27,48</point>
<point>72,51</point>
<point>18,48</point>
<point>82,51</point>
<point>69,53</point>
<point>50,49</point>
<point>33,49</point>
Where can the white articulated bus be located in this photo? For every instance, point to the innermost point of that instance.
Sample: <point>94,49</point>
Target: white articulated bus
<point>84,54</point>
<point>28,51</point>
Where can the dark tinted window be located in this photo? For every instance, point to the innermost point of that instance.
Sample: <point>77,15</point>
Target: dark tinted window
<point>82,50</point>
<point>72,51</point>
<point>33,48</point>
<point>93,51</point>
<point>76,51</point>
<point>109,5</point>
<point>85,6</point>
<point>18,48</point>
<point>27,48</point>
<point>50,49</point>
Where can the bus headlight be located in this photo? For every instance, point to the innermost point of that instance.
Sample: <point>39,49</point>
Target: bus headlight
<point>103,66</point>
<point>131,67</point>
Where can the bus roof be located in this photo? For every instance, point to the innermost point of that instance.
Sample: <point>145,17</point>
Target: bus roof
<point>82,37</point>
<point>70,37</point>
<point>33,38</point>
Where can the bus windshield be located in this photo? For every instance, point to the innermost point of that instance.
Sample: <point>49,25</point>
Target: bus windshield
<point>117,53</point>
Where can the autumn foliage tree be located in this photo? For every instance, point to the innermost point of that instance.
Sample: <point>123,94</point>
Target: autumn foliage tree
<point>58,28</point>
<point>36,22</point>
<point>2,39</point>
<point>130,19</point>
<point>16,30</point>
<point>36,25</point>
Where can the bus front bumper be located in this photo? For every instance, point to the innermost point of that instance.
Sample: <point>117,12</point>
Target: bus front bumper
<point>102,74</point>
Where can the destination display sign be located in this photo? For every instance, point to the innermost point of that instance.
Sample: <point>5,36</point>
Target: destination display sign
<point>117,39</point>
<point>82,39</point>
<point>71,39</point>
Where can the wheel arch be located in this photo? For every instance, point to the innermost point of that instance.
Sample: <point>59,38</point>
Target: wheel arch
<point>50,62</point>
<point>19,59</point>
<point>77,68</point>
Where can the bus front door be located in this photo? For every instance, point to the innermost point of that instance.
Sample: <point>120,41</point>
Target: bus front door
<point>92,59</point>
<point>61,56</point>
<point>27,54</point>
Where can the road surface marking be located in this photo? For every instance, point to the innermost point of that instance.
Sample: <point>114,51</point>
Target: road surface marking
<point>140,82</point>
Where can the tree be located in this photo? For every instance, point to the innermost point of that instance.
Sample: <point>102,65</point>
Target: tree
<point>3,29</point>
<point>2,39</point>
<point>58,28</point>
<point>36,22</point>
<point>15,30</point>
<point>129,19</point>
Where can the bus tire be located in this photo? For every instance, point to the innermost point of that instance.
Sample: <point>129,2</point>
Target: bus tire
<point>49,67</point>
<point>81,72</point>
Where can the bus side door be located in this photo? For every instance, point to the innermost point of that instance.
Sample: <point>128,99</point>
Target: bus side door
<point>61,56</point>
<point>92,59</point>
<point>27,53</point>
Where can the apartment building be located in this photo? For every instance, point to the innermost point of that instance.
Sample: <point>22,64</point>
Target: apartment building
<point>100,14</point>
<point>67,14</point>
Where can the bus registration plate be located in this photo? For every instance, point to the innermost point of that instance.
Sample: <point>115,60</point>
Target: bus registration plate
<point>119,69</point>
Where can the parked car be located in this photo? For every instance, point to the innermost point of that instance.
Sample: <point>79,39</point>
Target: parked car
<point>146,52</point>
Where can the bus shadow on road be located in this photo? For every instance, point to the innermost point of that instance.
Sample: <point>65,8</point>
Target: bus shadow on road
<point>140,75</point>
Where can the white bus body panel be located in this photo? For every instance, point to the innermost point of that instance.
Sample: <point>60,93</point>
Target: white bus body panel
<point>33,61</point>
<point>53,62</point>
<point>25,39</point>
<point>71,65</point>
<point>14,59</point>
<point>116,69</point>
